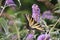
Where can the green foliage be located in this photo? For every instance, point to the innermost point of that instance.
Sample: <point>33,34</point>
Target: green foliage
<point>26,4</point>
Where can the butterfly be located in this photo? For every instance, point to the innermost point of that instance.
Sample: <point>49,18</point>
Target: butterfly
<point>33,24</point>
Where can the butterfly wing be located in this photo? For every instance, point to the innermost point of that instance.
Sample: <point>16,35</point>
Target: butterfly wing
<point>33,24</point>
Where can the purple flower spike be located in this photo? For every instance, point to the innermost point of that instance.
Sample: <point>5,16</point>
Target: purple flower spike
<point>47,15</point>
<point>43,37</point>
<point>10,3</point>
<point>36,12</point>
<point>30,37</point>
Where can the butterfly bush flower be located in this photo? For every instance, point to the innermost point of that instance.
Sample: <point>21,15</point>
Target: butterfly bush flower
<point>47,15</point>
<point>44,37</point>
<point>36,12</point>
<point>10,3</point>
<point>11,22</point>
<point>30,37</point>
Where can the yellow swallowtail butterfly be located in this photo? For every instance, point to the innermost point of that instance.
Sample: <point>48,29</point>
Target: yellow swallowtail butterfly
<point>33,24</point>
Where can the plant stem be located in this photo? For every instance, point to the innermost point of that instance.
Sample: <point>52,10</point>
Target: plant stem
<point>17,30</point>
<point>54,25</point>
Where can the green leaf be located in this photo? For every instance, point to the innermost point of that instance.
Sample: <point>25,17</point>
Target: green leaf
<point>57,11</point>
<point>4,25</point>
<point>59,3</point>
<point>10,11</point>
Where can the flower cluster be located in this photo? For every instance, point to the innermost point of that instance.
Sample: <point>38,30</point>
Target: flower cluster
<point>36,12</point>
<point>44,37</point>
<point>30,36</point>
<point>11,22</point>
<point>10,3</point>
<point>47,15</point>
